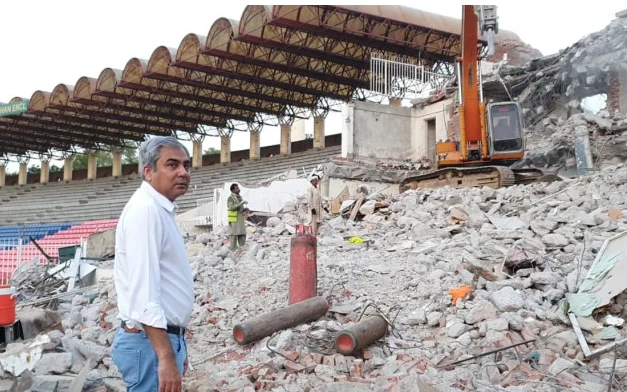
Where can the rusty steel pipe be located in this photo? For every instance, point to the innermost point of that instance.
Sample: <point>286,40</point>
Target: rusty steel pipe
<point>361,335</point>
<point>265,325</point>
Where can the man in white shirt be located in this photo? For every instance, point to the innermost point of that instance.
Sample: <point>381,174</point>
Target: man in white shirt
<point>153,279</point>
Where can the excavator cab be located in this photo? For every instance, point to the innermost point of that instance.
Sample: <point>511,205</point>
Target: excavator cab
<point>505,130</point>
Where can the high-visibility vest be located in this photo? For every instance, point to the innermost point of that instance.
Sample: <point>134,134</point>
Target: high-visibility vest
<point>232,215</point>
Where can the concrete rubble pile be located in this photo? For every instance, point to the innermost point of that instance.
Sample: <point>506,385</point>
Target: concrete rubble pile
<point>552,91</point>
<point>33,281</point>
<point>551,144</point>
<point>506,257</point>
<point>561,81</point>
<point>520,249</point>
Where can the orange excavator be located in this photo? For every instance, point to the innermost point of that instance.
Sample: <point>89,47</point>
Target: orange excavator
<point>490,134</point>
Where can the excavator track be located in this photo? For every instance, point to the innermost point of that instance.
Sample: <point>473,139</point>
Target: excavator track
<point>465,177</point>
<point>527,176</point>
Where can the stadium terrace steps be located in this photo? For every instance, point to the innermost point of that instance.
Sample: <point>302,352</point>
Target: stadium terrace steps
<point>84,200</point>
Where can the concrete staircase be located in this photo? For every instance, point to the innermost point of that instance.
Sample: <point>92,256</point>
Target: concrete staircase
<point>82,201</point>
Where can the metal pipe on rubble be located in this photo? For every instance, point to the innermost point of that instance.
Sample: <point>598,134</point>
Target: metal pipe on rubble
<point>361,335</point>
<point>265,325</point>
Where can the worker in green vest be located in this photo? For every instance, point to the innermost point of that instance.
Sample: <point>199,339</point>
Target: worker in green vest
<point>237,221</point>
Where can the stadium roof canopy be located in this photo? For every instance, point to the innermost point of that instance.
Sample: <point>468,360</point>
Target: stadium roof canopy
<point>275,62</point>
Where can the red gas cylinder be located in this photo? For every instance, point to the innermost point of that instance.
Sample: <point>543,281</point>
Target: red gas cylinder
<point>303,266</point>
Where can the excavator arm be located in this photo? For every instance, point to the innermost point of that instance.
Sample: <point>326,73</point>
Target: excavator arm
<point>473,135</point>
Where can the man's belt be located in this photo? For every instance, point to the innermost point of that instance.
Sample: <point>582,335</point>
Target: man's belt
<point>173,329</point>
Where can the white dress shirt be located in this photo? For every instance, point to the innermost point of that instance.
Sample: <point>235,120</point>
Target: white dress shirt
<point>153,279</point>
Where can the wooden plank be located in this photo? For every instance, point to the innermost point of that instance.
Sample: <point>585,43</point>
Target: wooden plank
<point>336,204</point>
<point>78,383</point>
<point>355,210</point>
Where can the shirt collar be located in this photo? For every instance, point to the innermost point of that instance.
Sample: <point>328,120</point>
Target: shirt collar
<point>165,203</point>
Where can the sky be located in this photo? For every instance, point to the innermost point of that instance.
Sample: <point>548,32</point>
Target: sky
<point>45,43</point>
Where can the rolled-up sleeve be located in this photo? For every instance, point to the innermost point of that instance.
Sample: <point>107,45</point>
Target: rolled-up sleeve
<point>143,235</point>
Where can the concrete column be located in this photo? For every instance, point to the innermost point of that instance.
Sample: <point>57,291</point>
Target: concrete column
<point>348,130</point>
<point>67,169</point>
<point>396,102</point>
<point>92,165</point>
<point>197,153</point>
<point>21,180</point>
<point>116,169</point>
<point>255,146</point>
<point>225,150</point>
<point>3,175</point>
<point>286,139</point>
<point>318,141</point>
<point>44,175</point>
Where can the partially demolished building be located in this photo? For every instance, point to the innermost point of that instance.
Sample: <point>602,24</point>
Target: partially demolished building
<point>552,91</point>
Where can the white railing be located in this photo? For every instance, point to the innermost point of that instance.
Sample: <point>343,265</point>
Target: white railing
<point>14,252</point>
<point>400,78</point>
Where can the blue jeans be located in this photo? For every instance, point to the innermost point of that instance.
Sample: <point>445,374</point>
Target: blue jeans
<point>137,361</point>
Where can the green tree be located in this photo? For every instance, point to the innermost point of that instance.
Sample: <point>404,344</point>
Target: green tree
<point>211,151</point>
<point>129,155</point>
<point>105,158</point>
<point>37,169</point>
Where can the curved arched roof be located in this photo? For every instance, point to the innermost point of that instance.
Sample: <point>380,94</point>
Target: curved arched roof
<point>274,59</point>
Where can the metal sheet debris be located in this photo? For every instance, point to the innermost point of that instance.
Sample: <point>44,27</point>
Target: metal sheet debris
<point>612,281</point>
<point>584,344</point>
<point>582,304</point>
<point>604,281</point>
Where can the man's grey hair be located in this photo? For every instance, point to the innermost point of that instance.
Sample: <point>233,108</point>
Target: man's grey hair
<point>150,150</point>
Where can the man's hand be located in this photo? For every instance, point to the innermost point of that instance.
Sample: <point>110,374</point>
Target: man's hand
<point>313,211</point>
<point>170,379</point>
<point>185,366</point>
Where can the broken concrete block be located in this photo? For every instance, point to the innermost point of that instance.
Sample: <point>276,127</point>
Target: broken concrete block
<point>35,321</point>
<point>507,299</point>
<point>555,240</point>
<point>19,358</point>
<point>368,207</point>
<point>433,319</point>
<point>53,363</point>
<point>561,365</point>
<point>457,329</point>
<point>545,278</point>
<point>481,310</point>
<point>416,317</point>
<point>8,385</point>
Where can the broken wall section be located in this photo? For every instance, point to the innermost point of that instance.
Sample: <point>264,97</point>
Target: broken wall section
<point>377,131</point>
<point>556,84</point>
<point>374,131</point>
